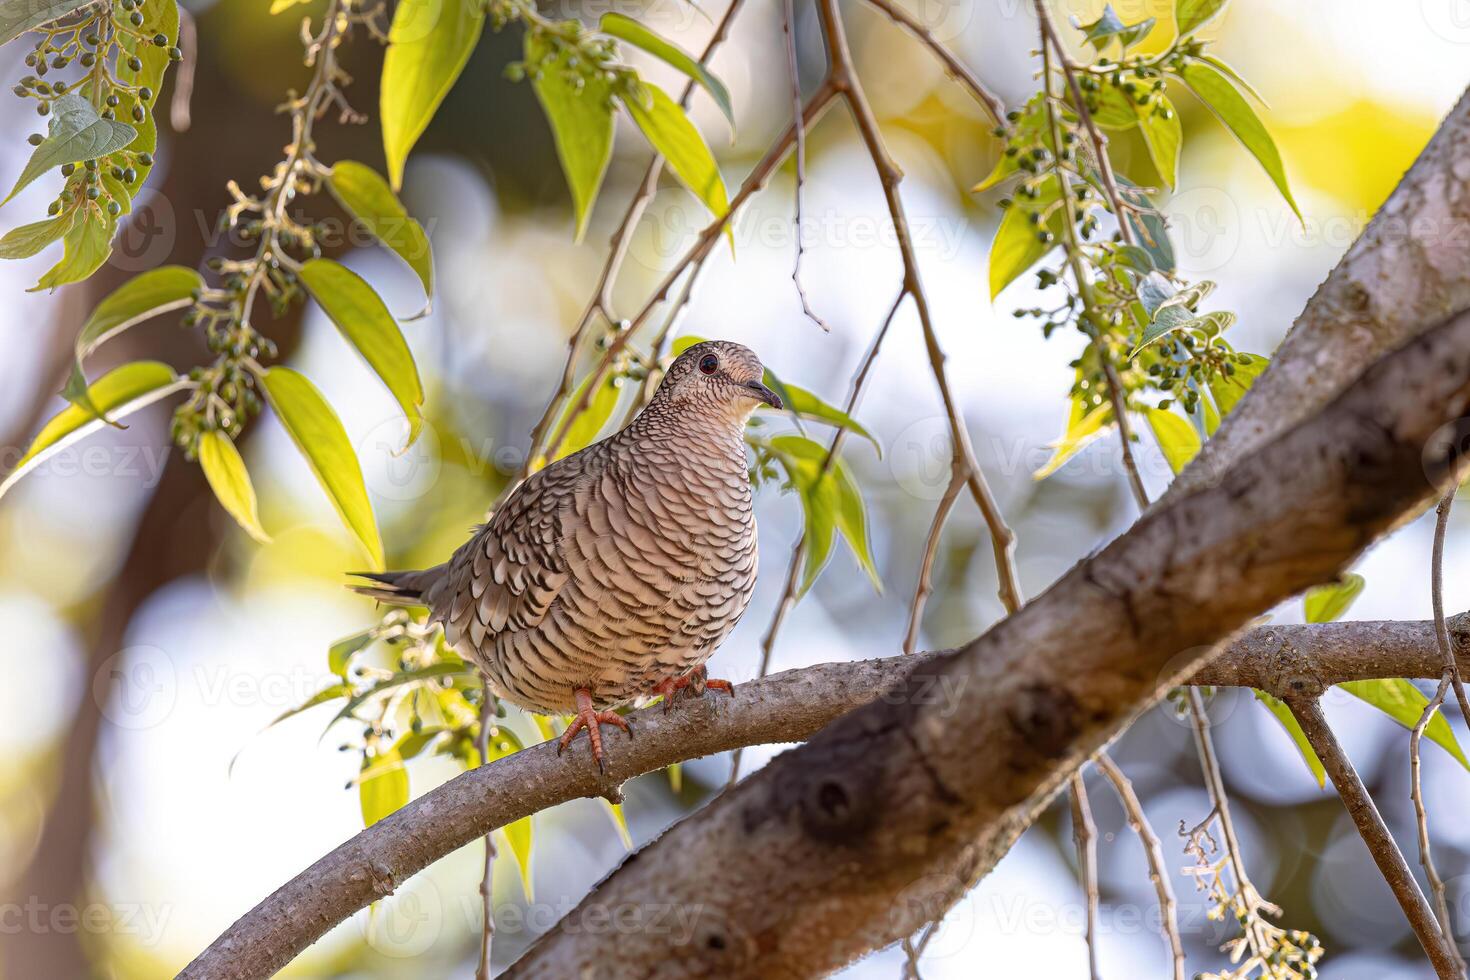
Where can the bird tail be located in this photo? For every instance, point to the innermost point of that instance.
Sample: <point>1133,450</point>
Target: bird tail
<point>397,588</point>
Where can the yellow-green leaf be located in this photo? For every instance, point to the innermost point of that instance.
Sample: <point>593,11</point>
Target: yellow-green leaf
<point>318,433</point>
<point>1018,243</point>
<point>329,693</point>
<point>669,131</point>
<point>368,198</point>
<point>1177,439</point>
<point>809,406</point>
<point>1229,389</point>
<point>831,502</point>
<point>228,478</point>
<point>627,29</point>
<point>1293,729</point>
<point>279,5</point>
<point>428,45</point>
<point>620,822</point>
<point>1083,426</point>
<point>364,320</point>
<point>581,118</point>
<point>1191,15</point>
<point>121,392</point>
<point>1217,92</point>
<point>1327,603</point>
<point>146,295</point>
<point>1162,135</point>
<point>27,240</point>
<point>676,777</point>
<point>340,654</point>
<point>519,836</point>
<point>88,244</point>
<point>589,423</point>
<point>1405,703</point>
<point>19,16</point>
<point>382,786</point>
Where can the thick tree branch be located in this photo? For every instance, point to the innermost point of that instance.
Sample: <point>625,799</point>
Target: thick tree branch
<point>1408,270</point>
<point>813,861</point>
<point>784,707</point>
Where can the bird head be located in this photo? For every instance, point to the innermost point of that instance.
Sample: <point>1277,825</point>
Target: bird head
<point>718,375</point>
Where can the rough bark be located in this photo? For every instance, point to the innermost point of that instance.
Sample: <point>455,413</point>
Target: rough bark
<point>1408,270</point>
<point>893,810</point>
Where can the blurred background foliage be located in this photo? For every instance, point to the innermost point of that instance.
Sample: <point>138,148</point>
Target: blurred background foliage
<point>150,641</point>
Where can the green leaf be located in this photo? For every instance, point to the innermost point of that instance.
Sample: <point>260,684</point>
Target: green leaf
<point>397,680</point>
<point>369,199</point>
<point>1230,107</point>
<point>627,29</point>
<point>121,391</point>
<point>318,434</point>
<point>1018,245</point>
<point>1229,389</point>
<point>88,244</point>
<point>384,789</point>
<point>1293,728</point>
<point>146,295</point>
<point>1115,110</point>
<point>1162,135</point>
<point>19,16</point>
<point>27,240</point>
<point>809,406</point>
<point>669,131</point>
<point>364,320</point>
<point>1405,703</point>
<point>831,502</point>
<point>1191,15</point>
<point>1084,424</point>
<point>228,478</point>
<point>581,120</point>
<point>1177,438</point>
<point>340,654</point>
<point>1229,72</point>
<point>590,422</point>
<point>428,46</point>
<point>1327,603</point>
<point>329,693</point>
<point>1148,225</point>
<point>161,17</point>
<point>76,133</point>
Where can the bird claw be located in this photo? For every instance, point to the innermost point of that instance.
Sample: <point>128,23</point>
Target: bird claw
<point>692,684</point>
<point>591,719</point>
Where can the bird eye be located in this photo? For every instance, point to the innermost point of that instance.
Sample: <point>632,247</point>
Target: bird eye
<point>709,364</point>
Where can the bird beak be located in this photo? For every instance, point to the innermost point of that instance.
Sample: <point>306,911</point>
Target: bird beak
<point>765,394</point>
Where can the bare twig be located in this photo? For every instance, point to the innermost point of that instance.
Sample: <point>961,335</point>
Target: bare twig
<point>1436,589</point>
<point>793,65</point>
<point>178,108</point>
<point>1421,819</point>
<point>487,879</point>
<point>958,478</point>
<point>1153,850</point>
<point>1084,836</point>
<point>956,69</point>
<point>1391,863</point>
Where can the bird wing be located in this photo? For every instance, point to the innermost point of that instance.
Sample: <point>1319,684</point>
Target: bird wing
<point>505,578</point>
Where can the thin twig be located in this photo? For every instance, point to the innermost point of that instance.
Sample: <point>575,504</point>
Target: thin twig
<point>1158,868</point>
<point>178,108</point>
<point>1421,819</point>
<point>1386,855</point>
<point>955,68</point>
<point>845,78</point>
<point>1084,836</point>
<point>793,66</point>
<point>487,879</point>
<point>1436,589</point>
<point>601,300</point>
<point>925,586</point>
<point>1125,427</point>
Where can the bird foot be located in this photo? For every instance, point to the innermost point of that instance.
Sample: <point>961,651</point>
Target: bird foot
<point>692,684</point>
<point>591,719</point>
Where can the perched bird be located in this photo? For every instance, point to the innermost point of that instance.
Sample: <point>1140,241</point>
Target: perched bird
<point>611,575</point>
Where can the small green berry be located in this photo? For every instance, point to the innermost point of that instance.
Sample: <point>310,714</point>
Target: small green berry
<point>67,169</point>
<point>35,139</point>
<point>54,207</point>
<point>93,193</point>
<point>135,63</point>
